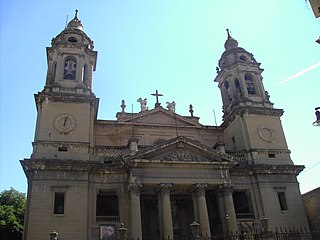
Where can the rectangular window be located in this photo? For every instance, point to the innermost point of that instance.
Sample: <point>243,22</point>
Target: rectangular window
<point>271,155</point>
<point>107,207</point>
<point>242,204</point>
<point>282,201</point>
<point>63,149</point>
<point>59,198</point>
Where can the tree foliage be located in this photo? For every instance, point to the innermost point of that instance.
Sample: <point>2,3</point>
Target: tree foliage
<point>12,208</point>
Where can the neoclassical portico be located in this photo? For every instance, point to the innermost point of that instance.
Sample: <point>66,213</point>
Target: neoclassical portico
<point>165,192</point>
<point>199,169</point>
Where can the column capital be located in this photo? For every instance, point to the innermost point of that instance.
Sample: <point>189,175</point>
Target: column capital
<point>164,188</point>
<point>200,188</point>
<point>225,189</point>
<point>134,187</point>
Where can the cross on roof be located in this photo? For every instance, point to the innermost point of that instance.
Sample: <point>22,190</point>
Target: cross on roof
<point>157,98</point>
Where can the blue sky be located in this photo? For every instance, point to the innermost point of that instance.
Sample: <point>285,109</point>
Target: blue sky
<point>172,46</point>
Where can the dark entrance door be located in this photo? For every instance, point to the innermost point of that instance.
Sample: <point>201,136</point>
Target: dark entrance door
<point>182,216</point>
<point>213,212</point>
<point>149,217</point>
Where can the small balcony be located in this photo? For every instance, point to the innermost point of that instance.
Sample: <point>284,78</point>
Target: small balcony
<point>245,215</point>
<point>108,219</point>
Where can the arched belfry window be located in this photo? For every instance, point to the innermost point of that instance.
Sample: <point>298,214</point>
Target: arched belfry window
<point>70,66</point>
<point>249,83</point>
<point>226,85</point>
<point>237,84</point>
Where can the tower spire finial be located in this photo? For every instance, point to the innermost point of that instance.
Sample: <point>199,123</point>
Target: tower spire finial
<point>76,14</point>
<point>229,36</point>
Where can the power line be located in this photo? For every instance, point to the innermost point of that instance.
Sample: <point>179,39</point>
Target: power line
<point>308,169</point>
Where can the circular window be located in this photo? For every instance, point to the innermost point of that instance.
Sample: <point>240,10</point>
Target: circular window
<point>266,134</point>
<point>243,58</point>
<point>72,39</point>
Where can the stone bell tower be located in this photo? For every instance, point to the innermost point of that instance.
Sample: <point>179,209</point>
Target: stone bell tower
<point>67,107</point>
<point>251,124</point>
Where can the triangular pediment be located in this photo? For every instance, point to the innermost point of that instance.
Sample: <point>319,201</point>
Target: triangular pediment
<point>159,116</point>
<point>182,149</point>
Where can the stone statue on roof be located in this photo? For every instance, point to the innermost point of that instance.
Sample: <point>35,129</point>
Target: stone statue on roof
<point>171,106</point>
<point>143,104</point>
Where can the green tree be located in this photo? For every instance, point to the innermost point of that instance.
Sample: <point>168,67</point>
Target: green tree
<point>12,208</point>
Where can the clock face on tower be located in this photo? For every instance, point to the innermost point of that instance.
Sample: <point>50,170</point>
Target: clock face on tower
<point>65,123</point>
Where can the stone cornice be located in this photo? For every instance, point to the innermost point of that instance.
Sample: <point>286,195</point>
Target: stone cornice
<point>60,143</point>
<point>249,110</point>
<point>155,163</point>
<point>47,97</point>
<point>32,165</point>
<point>260,150</point>
<point>262,169</point>
<point>106,123</point>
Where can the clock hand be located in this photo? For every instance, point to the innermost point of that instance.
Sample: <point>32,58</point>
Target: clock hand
<point>65,120</point>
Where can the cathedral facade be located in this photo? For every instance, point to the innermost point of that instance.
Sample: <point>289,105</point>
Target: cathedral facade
<point>156,171</point>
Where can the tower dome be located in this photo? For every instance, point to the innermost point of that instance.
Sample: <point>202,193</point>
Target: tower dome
<point>231,42</point>
<point>73,35</point>
<point>234,54</point>
<point>75,23</point>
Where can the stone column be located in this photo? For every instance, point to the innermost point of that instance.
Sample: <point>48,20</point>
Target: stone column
<point>259,85</point>
<point>164,189</point>
<point>136,228</point>
<point>79,70</point>
<point>222,212</point>
<point>90,70</point>
<point>160,205</point>
<point>200,190</point>
<point>229,216</point>
<point>195,206</point>
<point>243,85</point>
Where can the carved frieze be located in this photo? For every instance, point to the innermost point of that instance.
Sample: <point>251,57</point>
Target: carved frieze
<point>182,155</point>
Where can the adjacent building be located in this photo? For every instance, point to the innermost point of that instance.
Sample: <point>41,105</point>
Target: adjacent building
<point>311,201</point>
<point>156,171</point>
